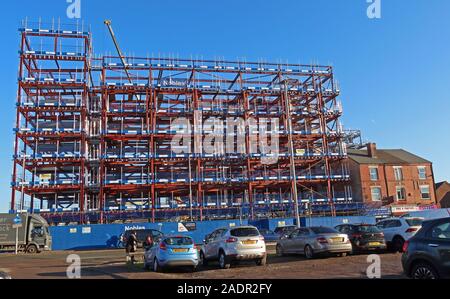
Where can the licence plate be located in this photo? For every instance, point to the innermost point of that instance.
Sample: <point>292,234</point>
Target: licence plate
<point>374,243</point>
<point>337,240</point>
<point>180,250</point>
<point>249,242</point>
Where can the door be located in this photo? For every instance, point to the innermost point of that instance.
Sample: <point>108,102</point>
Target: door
<point>300,240</point>
<point>289,242</point>
<point>37,233</point>
<point>438,242</point>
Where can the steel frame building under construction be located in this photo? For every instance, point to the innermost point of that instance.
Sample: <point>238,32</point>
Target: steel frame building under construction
<point>94,135</point>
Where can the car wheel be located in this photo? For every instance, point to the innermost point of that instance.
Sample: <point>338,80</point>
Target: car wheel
<point>262,262</point>
<point>344,254</point>
<point>424,271</point>
<point>203,259</point>
<point>32,249</point>
<point>156,266</point>
<point>279,250</point>
<point>194,269</point>
<point>397,244</point>
<point>309,252</point>
<point>223,261</point>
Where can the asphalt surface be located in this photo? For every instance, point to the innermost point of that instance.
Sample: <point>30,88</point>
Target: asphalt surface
<point>111,264</point>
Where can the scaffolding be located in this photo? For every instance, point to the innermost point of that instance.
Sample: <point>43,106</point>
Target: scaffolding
<point>99,140</point>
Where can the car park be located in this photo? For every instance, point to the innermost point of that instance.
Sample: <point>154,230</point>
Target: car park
<point>141,235</point>
<point>228,245</point>
<point>314,241</point>
<point>269,236</point>
<point>398,230</point>
<point>364,237</point>
<point>171,251</point>
<point>427,254</point>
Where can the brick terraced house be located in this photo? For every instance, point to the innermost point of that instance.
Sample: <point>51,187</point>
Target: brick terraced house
<point>391,177</point>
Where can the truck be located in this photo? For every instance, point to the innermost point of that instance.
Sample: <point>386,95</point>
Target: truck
<point>31,233</point>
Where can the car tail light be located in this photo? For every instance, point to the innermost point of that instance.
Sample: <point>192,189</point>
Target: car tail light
<point>405,246</point>
<point>322,240</point>
<point>231,240</point>
<point>162,246</point>
<point>411,230</point>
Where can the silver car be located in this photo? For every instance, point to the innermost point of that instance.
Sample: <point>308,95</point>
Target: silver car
<point>313,241</point>
<point>233,244</point>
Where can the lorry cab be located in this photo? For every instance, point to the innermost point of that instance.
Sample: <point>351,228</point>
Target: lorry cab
<point>38,235</point>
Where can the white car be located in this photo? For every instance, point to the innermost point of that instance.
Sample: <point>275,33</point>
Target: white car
<point>398,230</point>
<point>233,244</point>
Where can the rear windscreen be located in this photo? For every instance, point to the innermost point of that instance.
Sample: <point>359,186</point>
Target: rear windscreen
<point>414,221</point>
<point>179,241</point>
<point>323,230</point>
<point>368,229</point>
<point>244,232</point>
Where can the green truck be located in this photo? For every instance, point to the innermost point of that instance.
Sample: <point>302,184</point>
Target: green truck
<point>31,233</point>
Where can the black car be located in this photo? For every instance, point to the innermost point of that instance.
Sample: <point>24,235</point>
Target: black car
<point>427,254</point>
<point>364,237</point>
<point>141,235</point>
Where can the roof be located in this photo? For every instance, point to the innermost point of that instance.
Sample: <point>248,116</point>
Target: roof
<point>438,185</point>
<point>386,156</point>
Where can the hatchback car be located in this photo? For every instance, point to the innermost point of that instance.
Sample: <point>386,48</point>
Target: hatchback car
<point>171,251</point>
<point>427,254</point>
<point>228,245</point>
<point>364,237</point>
<point>313,241</point>
<point>398,230</point>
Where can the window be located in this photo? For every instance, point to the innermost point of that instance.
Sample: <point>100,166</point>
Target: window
<point>244,232</point>
<point>425,192</point>
<point>376,193</point>
<point>373,170</point>
<point>398,173</point>
<point>441,231</point>
<point>422,172</point>
<point>401,193</point>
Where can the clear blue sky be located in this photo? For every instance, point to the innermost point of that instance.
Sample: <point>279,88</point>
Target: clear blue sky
<point>394,72</point>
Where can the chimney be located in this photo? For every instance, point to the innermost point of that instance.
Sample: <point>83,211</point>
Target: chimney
<point>372,150</point>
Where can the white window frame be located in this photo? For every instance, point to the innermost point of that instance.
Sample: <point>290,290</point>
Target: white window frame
<point>397,188</point>
<point>371,193</point>
<point>396,168</point>
<point>370,173</point>
<point>424,168</point>
<point>429,192</point>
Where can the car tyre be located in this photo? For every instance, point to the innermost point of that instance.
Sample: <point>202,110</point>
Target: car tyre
<point>32,249</point>
<point>203,260</point>
<point>262,262</point>
<point>424,271</point>
<point>309,252</point>
<point>224,263</point>
<point>156,266</point>
<point>397,244</point>
<point>280,251</point>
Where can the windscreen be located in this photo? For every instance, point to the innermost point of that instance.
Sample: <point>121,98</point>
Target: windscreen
<point>324,230</point>
<point>414,221</point>
<point>181,241</point>
<point>368,229</point>
<point>244,232</point>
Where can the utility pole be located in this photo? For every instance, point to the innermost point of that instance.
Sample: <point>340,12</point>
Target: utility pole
<point>291,152</point>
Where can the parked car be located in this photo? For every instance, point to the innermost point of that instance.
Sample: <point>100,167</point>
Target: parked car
<point>141,234</point>
<point>398,230</point>
<point>269,236</point>
<point>227,245</point>
<point>171,251</point>
<point>285,230</point>
<point>4,275</point>
<point>427,254</point>
<point>364,237</point>
<point>313,241</point>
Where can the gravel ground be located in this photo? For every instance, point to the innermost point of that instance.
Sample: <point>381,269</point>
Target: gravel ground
<point>111,264</point>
